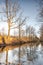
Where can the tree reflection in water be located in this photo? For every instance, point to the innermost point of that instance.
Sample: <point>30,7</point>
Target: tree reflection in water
<point>29,55</point>
<point>32,53</point>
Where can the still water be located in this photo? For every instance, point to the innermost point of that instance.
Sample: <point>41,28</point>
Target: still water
<point>28,56</point>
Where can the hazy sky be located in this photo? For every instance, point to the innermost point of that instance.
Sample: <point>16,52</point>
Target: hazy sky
<point>29,8</point>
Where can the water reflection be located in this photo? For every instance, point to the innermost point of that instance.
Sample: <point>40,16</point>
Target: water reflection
<point>2,57</point>
<point>29,55</point>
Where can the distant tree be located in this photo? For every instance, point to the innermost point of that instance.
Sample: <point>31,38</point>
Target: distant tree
<point>31,32</point>
<point>41,32</point>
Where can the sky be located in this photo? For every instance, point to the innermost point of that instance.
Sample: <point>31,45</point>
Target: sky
<point>29,8</point>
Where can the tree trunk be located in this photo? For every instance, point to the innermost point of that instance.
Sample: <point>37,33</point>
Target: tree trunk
<point>9,28</point>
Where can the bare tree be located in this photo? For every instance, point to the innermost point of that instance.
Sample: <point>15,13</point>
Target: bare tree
<point>31,32</point>
<point>40,10</point>
<point>41,32</point>
<point>11,12</point>
<point>22,33</point>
